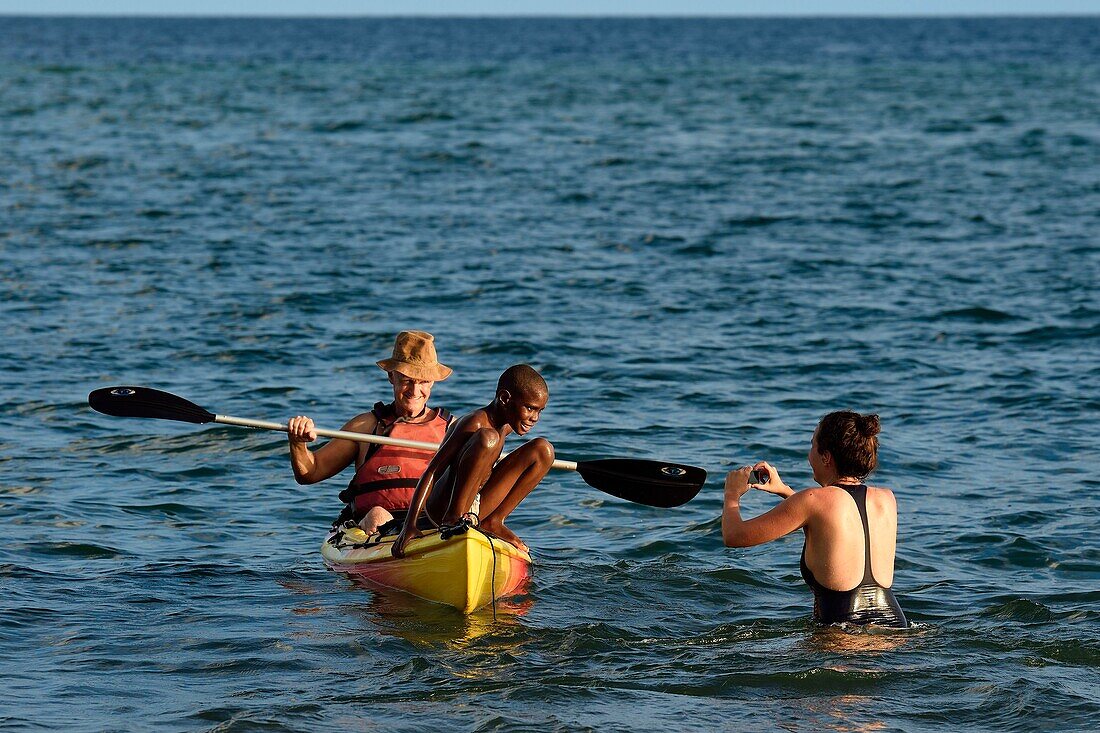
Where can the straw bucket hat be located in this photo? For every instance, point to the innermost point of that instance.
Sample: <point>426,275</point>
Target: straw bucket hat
<point>414,356</point>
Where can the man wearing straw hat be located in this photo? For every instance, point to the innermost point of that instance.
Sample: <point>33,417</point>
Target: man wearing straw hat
<point>385,476</point>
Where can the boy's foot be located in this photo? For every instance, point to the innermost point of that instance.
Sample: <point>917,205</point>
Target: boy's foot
<point>502,532</point>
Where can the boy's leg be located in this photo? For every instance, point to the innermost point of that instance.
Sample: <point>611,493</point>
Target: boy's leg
<point>470,470</point>
<point>511,481</point>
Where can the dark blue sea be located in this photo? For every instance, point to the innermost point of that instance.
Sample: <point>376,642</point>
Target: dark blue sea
<point>705,233</point>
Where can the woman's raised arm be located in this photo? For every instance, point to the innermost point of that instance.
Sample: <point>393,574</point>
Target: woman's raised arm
<point>787,516</point>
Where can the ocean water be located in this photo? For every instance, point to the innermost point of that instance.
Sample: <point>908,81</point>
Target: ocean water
<point>705,233</point>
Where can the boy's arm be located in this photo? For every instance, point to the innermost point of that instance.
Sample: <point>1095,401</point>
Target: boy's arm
<point>455,439</point>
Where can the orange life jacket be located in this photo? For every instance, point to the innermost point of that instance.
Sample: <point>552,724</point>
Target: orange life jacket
<point>388,476</point>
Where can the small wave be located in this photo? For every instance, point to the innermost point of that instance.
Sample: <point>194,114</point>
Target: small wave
<point>1023,610</point>
<point>21,112</point>
<point>977,314</point>
<point>1058,334</point>
<point>701,249</point>
<point>82,163</point>
<point>26,617</point>
<point>754,221</point>
<point>482,71</point>
<point>948,126</point>
<point>1029,518</point>
<point>734,578</point>
<point>521,349</point>
<point>59,69</point>
<point>187,569</point>
<point>659,240</point>
<point>1079,141</point>
<point>1006,551</point>
<point>82,550</point>
<point>427,116</point>
<point>822,680</point>
<point>120,243</point>
<point>170,509</point>
<point>1080,652</point>
<point>39,409</point>
<point>264,392</point>
<point>340,126</point>
<point>903,183</point>
<point>11,570</point>
<point>443,156</point>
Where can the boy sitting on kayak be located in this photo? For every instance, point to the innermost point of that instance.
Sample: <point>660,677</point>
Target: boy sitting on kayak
<point>466,462</point>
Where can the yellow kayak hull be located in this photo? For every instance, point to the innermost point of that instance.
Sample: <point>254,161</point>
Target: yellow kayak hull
<point>466,571</point>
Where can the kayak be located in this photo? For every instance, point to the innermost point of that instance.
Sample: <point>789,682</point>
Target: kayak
<point>460,567</point>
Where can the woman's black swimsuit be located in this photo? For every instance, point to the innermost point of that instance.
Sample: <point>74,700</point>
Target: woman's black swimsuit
<point>867,603</point>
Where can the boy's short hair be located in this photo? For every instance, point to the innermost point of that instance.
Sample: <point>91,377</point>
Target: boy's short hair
<point>522,379</point>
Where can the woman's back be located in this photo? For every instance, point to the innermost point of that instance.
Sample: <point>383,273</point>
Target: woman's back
<point>836,544</point>
<point>841,548</point>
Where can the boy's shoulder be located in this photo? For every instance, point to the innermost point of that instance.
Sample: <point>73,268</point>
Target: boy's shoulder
<point>474,420</point>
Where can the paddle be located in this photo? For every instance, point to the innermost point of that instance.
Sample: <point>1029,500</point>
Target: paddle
<point>652,483</point>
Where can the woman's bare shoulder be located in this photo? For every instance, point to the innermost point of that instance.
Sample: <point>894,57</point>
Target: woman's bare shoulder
<point>882,496</point>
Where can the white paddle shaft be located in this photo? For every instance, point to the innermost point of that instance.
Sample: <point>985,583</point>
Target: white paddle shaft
<point>359,437</point>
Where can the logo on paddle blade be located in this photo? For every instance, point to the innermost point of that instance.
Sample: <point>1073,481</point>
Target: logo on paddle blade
<point>123,392</point>
<point>672,471</point>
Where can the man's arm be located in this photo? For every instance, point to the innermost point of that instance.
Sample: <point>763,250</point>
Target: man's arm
<point>330,459</point>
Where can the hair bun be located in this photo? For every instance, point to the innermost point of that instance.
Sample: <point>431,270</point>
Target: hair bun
<point>868,425</point>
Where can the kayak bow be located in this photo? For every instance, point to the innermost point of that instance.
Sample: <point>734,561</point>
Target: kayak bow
<point>465,570</point>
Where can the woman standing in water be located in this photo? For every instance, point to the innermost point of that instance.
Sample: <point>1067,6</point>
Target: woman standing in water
<point>851,528</point>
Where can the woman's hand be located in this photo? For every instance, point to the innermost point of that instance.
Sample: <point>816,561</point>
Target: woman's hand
<point>775,484</point>
<point>301,429</point>
<point>737,482</point>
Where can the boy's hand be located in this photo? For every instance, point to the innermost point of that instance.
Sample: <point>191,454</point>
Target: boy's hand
<point>408,533</point>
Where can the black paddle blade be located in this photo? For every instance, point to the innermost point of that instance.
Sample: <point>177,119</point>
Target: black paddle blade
<point>652,483</point>
<point>147,402</point>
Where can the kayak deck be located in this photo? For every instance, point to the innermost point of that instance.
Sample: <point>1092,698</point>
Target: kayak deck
<point>466,569</point>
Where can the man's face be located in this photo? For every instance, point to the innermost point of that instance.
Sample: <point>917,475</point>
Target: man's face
<point>409,395</point>
<point>524,410</point>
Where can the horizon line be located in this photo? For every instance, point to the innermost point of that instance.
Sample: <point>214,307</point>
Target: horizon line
<point>564,16</point>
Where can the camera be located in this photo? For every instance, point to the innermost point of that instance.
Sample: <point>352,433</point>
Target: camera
<point>758,477</point>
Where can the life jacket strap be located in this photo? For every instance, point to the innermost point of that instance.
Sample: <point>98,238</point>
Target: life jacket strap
<point>384,420</point>
<point>353,490</point>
